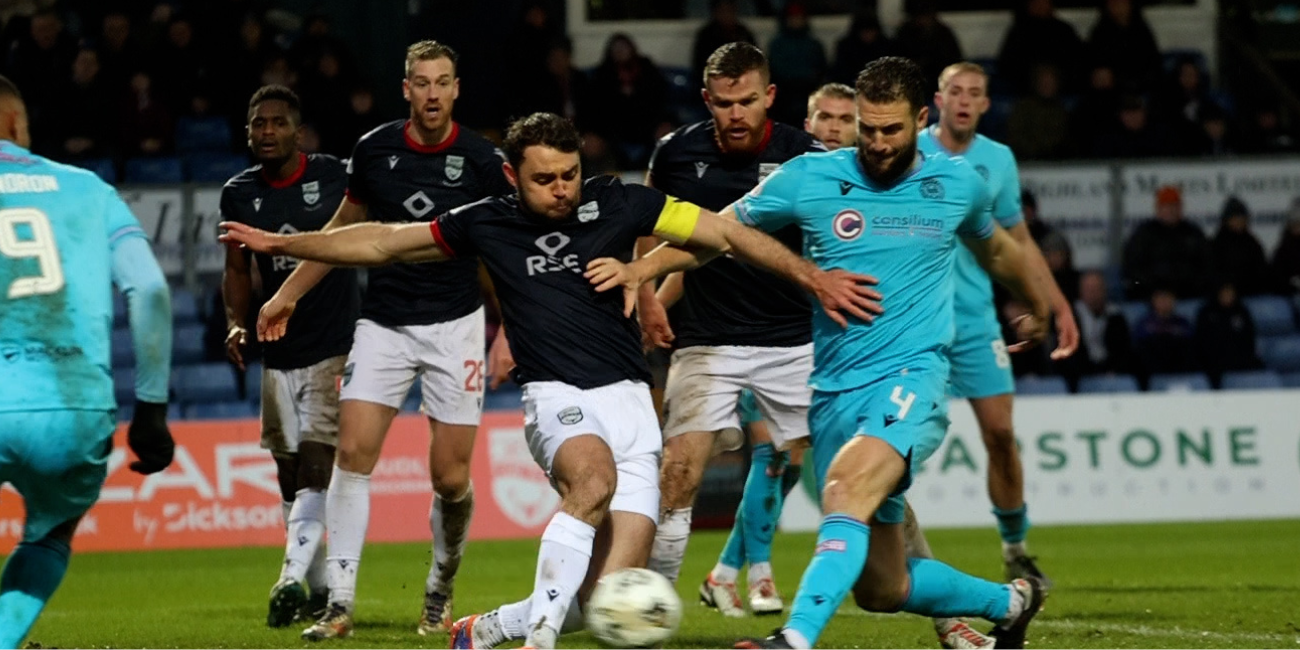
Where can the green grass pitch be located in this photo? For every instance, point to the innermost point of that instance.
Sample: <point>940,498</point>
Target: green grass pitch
<point>1217,585</point>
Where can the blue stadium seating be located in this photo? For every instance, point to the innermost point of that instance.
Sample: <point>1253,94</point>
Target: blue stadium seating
<point>1291,380</point>
<point>253,382</point>
<point>187,344</point>
<point>205,382</point>
<point>202,134</point>
<point>123,350</point>
<point>1134,312</point>
<point>1108,384</point>
<point>103,168</point>
<point>507,397</point>
<point>1180,383</point>
<point>1281,353</point>
<point>684,102</point>
<point>1272,315</point>
<point>1251,379</point>
<point>124,385</point>
<point>1189,308</point>
<point>164,169</point>
<point>220,410</point>
<point>214,167</point>
<point>185,307</point>
<point>1032,385</point>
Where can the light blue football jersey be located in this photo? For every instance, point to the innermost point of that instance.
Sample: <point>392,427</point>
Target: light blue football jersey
<point>56,306</point>
<point>904,234</point>
<point>997,166</point>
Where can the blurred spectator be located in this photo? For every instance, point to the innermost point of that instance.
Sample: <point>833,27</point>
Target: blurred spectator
<point>119,54</point>
<point>1165,338</point>
<point>39,62</point>
<point>1180,103</point>
<point>925,39</point>
<point>530,45</point>
<point>362,116</point>
<point>180,66</point>
<point>241,66</point>
<point>1038,37</point>
<point>1238,255</point>
<point>1060,261</point>
<point>1038,229</point>
<point>562,89</point>
<point>1168,252</point>
<point>1225,334</point>
<point>317,39</point>
<point>327,102</point>
<point>145,122</point>
<point>1214,137</point>
<point>724,27</point>
<point>628,102</point>
<point>1122,41</point>
<point>1134,134</point>
<point>798,65</point>
<point>1105,346</point>
<point>1286,259</point>
<point>1266,134</point>
<point>79,125</point>
<point>865,42</point>
<point>1039,125</point>
<point>277,71</point>
<point>1097,110</point>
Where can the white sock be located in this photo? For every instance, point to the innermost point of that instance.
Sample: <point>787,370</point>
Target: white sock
<point>794,638</point>
<point>724,574</point>
<point>1014,550</point>
<point>510,622</point>
<point>1016,606</point>
<point>670,543</point>
<point>758,571</point>
<point>306,528</point>
<point>514,618</point>
<point>347,515</point>
<point>449,522</point>
<point>286,507</point>
<point>573,619</point>
<point>318,580</point>
<point>561,566</point>
<point>941,625</point>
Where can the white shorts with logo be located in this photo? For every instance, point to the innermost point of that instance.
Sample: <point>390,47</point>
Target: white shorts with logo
<point>301,405</point>
<point>704,384</point>
<point>622,414</point>
<point>446,357</point>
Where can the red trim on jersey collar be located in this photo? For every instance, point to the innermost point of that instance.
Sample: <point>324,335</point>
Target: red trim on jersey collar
<point>437,236</point>
<point>347,194</point>
<point>293,178</point>
<point>767,137</point>
<point>430,148</point>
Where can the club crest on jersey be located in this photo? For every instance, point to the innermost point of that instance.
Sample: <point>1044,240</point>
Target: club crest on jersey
<point>588,211</point>
<point>931,188</point>
<point>453,166</point>
<point>848,225</point>
<point>700,168</point>
<point>766,169</point>
<point>521,490</point>
<point>311,192</point>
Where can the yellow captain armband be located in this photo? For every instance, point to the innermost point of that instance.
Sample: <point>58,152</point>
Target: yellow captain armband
<point>677,220</point>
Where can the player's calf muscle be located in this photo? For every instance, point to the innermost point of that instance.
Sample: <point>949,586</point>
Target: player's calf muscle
<point>683,468</point>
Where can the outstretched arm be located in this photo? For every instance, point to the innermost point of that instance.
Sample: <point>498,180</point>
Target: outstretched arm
<point>1006,261</point>
<point>1066,329</point>
<point>363,244</point>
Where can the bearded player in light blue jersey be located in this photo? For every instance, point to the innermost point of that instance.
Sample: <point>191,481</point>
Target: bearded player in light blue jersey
<point>880,404</point>
<point>65,238</point>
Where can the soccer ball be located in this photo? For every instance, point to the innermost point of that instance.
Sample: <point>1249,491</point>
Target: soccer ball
<point>633,608</point>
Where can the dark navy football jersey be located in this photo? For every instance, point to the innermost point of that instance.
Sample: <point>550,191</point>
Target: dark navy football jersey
<point>728,302</point>
<point>322,324</point>
<point>560,328</point>
<point>401,180</point>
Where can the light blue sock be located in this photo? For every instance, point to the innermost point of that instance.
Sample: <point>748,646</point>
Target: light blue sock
<point>940,591</point>
<point>841,552</point>
<point>761,505</point>
<point>733,554</point>
<point>1013,525</point>
<point>32,573</point>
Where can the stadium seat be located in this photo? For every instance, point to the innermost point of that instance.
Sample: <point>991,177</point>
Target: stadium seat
<point>165,169</point>
<point>220,410</point>
<point>1291,380</point>
<point>1032,385</point>
<point>1108,384</point>
<point>205,382</point>
<point>187,344</point>
<point>103,168</point>
<point>214,167</point>
<point>202,134</point>
<point>1188,308</point>
<point>1251,380</point>
<point>253,383</point>
<point>1281,353</point>
<point>1272,315</point>
<point>124,385</point>
<point>123,350</point>
<point>684,95</point>
<point>1134,312</point>
<point>507,397</point>
<point>185,307</point>
<point>1179,383</point>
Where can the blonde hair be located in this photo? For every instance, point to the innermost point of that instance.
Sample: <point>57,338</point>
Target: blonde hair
<point>961,67</point>
<point>838,91</point>
<point>428,51</point>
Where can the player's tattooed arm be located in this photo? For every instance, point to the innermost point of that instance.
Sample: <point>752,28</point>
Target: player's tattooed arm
<point>1006,261</point>
<point>362,244</point>
<point>1067,331</point>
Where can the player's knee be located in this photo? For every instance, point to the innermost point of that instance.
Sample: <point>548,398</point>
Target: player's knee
<point>878,596</point>
<point>589,496</point>
<point>357,455</point>
<point>999,439</point>
<point>451,482</point>
<point>62,534</point>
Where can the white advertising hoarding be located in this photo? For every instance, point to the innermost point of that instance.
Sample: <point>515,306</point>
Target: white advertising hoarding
<point>161,213</point>
<point>209,254</point>
<point>1076,201</point>
<point>1115,459</point>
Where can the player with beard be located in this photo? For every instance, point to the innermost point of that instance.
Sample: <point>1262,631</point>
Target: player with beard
<point>831,116</point>
<point>292,191</point>
<point>880,404</point>
<point>415,323</point>
<point>589,420</point>
<point>734,328</point>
